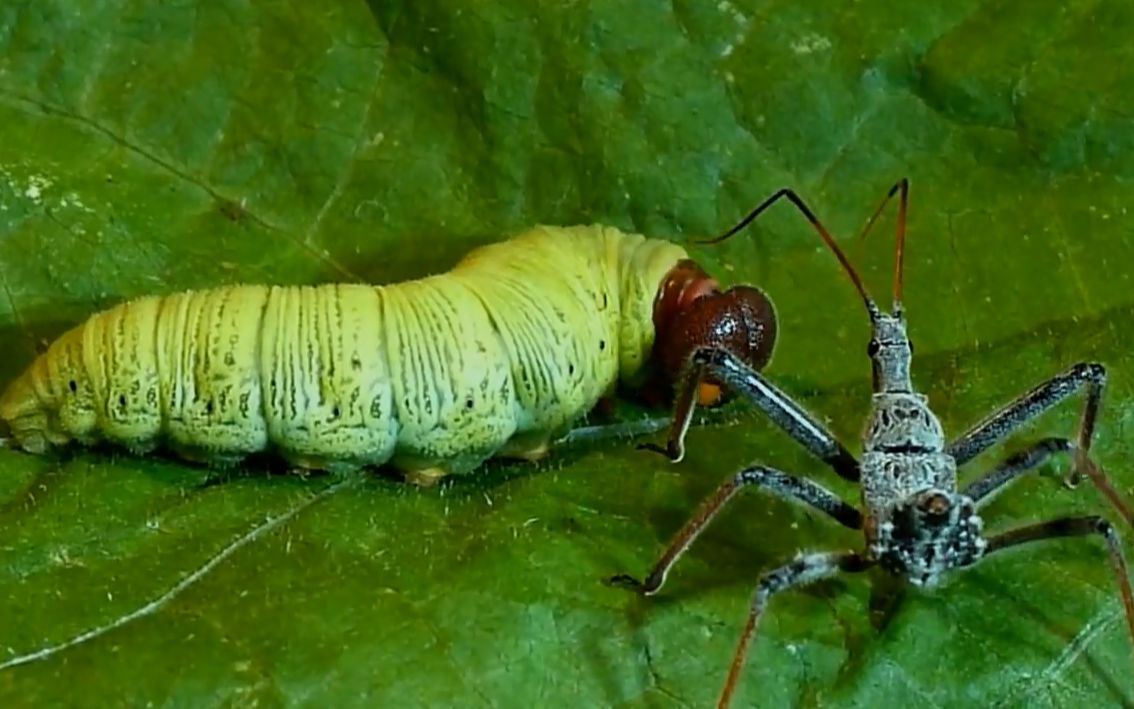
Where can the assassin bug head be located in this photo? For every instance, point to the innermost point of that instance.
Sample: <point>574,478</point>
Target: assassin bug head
<point>889,349</point>
<point>691,311</point>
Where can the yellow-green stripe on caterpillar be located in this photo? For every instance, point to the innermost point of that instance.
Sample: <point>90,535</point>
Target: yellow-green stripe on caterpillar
<point>436,375</point>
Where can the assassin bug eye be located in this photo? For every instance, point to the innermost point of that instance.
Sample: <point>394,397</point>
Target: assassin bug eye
<point>872,348</point>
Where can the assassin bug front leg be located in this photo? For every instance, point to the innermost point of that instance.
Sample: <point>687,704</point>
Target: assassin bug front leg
<point>916,523</point>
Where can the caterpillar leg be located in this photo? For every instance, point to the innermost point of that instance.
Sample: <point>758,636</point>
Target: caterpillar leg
<point>534,455</point>
<point>530,447</point>
<point>304,465</point>
<point>426,477</point>
<point>219,460</point>
<point>308,463</point>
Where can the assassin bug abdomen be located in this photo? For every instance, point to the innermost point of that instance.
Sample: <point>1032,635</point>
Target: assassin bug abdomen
<point>434,376</point>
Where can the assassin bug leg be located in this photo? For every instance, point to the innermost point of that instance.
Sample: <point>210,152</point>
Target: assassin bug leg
<point>1027,460</point>
<point>782,485</point>
<point>1039,400</point>
<point>756,388</point>
<point>1033,403</point>
<point>807,568</point>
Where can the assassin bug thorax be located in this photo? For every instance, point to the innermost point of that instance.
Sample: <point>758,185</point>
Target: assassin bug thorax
<point>917,524</point>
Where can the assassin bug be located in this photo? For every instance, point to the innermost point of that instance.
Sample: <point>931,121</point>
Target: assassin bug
<point>917,524</point>
<point>496,357</point>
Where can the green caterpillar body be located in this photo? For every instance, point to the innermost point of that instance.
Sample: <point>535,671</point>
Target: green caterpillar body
<point>434,376</point>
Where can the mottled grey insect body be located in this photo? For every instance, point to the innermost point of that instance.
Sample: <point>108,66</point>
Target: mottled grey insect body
<point>916,524</point>
<point>926,535</point>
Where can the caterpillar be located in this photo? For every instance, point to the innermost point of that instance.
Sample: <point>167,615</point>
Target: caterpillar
<point>433,376</point>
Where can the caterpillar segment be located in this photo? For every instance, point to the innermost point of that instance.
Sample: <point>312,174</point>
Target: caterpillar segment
<point>433,376</point>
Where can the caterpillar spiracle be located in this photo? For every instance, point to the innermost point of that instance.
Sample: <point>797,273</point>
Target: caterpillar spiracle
<point>433,376</point>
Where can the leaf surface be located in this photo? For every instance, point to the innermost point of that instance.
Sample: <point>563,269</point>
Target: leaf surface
<point>151,147</point>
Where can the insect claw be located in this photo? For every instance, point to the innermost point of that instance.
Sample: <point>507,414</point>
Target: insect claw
<point>1074,474</point>
<point>671,451</point>
<point>652,584</point>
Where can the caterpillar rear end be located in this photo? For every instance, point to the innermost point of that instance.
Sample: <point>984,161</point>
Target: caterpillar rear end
<point>433,376</point>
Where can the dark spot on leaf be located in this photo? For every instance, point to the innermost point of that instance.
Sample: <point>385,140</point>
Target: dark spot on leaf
<point>233,211</point>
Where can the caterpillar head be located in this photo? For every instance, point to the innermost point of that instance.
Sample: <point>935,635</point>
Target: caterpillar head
<point>691,311</point>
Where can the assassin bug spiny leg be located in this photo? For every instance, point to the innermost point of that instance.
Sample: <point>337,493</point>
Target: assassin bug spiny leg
<point>781,484</point>
<point>807,568</point>
<point>778,406</point>
<point>1014,466</point>
<point>1033,403</point>
<point>1039,400</point>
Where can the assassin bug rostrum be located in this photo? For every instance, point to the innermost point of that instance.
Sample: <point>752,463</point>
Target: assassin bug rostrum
<point>917,524</point>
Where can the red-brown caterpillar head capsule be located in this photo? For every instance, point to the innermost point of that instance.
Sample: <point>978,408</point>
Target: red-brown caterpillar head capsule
<point>691,310</point>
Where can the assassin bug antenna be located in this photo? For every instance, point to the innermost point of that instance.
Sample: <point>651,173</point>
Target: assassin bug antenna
<point>792,197</point>
<point>917,523</point>
<point>903,186</point>
<point>900,251</point>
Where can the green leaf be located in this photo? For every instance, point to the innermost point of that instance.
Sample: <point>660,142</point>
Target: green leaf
<point>150,147</point>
